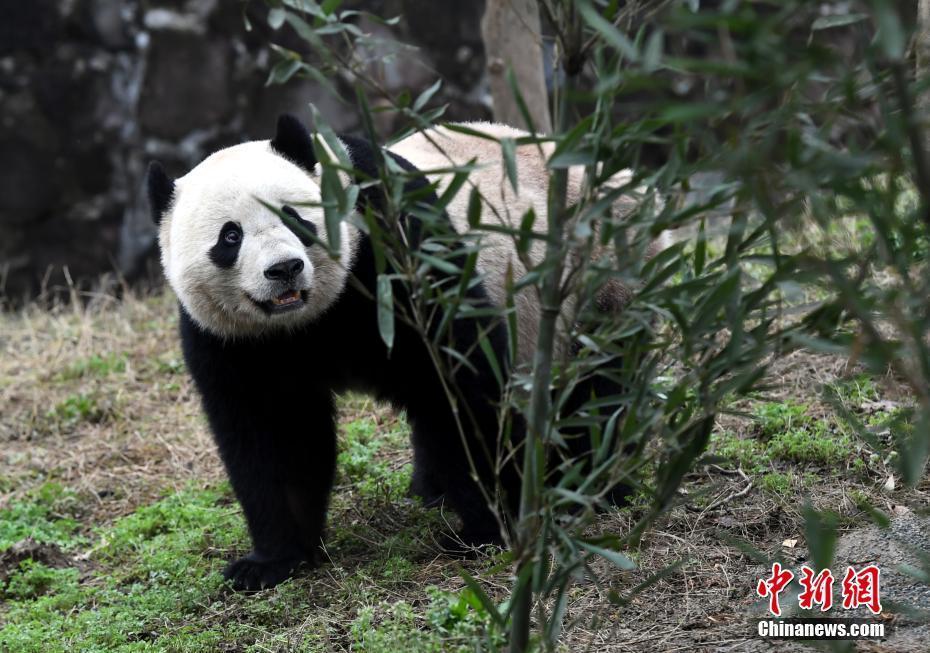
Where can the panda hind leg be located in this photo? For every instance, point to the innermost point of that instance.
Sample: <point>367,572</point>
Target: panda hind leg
<point>443,477</point>
<point>425,483</point>
<point>578,438</point>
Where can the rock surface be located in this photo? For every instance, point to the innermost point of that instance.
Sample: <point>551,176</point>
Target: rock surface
<point>91,90</point>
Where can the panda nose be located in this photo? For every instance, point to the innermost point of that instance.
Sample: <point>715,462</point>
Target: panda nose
<point>284,270</point>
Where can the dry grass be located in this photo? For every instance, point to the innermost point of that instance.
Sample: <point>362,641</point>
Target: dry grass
<point>96,398</point>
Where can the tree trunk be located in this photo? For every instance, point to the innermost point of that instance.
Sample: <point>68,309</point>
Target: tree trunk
<point>923,57</point>
<point>921,120</point>
<point>513,39</point>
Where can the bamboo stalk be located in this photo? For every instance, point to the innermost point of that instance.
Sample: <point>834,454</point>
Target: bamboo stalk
<point>528,526</point>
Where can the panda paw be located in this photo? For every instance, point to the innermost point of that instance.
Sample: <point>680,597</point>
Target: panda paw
<point>255,572</point>
<point>423,486</point>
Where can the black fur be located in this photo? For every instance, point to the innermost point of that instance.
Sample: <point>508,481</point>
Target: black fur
<point>270,406</point>
<point>160,190</point>
<point>306,224</point>
<point>224,254</point>
<point>293,142</point>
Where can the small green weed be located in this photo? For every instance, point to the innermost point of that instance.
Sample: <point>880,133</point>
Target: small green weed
<point>794,435</point>
<point>96,365</point>
<point>454,624</point>
<point>153,580</point>
<point>749,453</point>
<point>456,614</point>
<point>361,463</point>
<point>76,408</point>
<point>899,422</point>
<point>48,515</point>
<point>855,391</point>
<point>774,418</point>
<point>33,579</point>
<point>169,364</point>
<point>780,483</point>
<point>815,443</point>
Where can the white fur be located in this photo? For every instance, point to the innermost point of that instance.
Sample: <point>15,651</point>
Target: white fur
<point>227,186</point>
<point>442,148</point>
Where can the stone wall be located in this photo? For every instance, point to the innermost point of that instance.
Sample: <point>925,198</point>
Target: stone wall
<point>91,90</point>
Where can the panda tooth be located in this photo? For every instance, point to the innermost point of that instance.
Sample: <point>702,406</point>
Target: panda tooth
<point>283,299</point>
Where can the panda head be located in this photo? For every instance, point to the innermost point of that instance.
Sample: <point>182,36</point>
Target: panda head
<point>235,266</point>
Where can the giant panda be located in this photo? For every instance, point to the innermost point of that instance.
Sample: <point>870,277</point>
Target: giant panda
<point>272,326</point>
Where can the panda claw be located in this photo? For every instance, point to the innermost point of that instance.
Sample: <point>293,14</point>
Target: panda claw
<point>253,573</point>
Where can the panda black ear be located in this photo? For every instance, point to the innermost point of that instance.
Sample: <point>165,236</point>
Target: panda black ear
<point>293,142</point>
<point>161,190</point>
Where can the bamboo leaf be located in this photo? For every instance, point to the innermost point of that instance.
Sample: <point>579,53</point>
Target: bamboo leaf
<point>820,535</point>
<point>491,357</point>
<point>483,597</point>
<point>700,250</point>
<point>330,6</point>
<point>426,95</point>
<point>509,152</point>
<point>521,103</point>
<point>526,231</point>
<point>614,557</point>
<point>655,47</point>
<point>611,34</point>
<point>283,71</point>
<point>386,310</point>
<point>890,36</point>
<point>276,18</point>
<point>837,20</point>
<point>474,208</point>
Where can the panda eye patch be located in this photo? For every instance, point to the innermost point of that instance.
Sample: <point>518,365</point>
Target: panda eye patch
<point>306,225</point>
<point>231,234</point>
<point>226,250</point>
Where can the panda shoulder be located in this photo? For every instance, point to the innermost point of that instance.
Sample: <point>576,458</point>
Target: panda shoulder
<point>496,130</point>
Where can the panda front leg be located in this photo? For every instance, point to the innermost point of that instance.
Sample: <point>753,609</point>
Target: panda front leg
<point>281,468</point>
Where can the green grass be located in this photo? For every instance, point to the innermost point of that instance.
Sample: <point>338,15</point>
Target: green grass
<point>453,622</point>
<point>794,435</point>
<point>750,454</point>
<point>151,573</point>
<point>780,483</point>
<point>80,407</point>
<point>856,391</point>
<point>49,514</point>
<point>33,579</point>
<point>359,463</point>
<point>150,581</point>
<point>156,586</point>
<point>817,443</point>
<point>775,418</point>
<point>95,365</point>
<point>785,433</point>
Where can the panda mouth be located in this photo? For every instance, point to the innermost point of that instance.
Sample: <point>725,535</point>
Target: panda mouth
<point>289,300</point>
